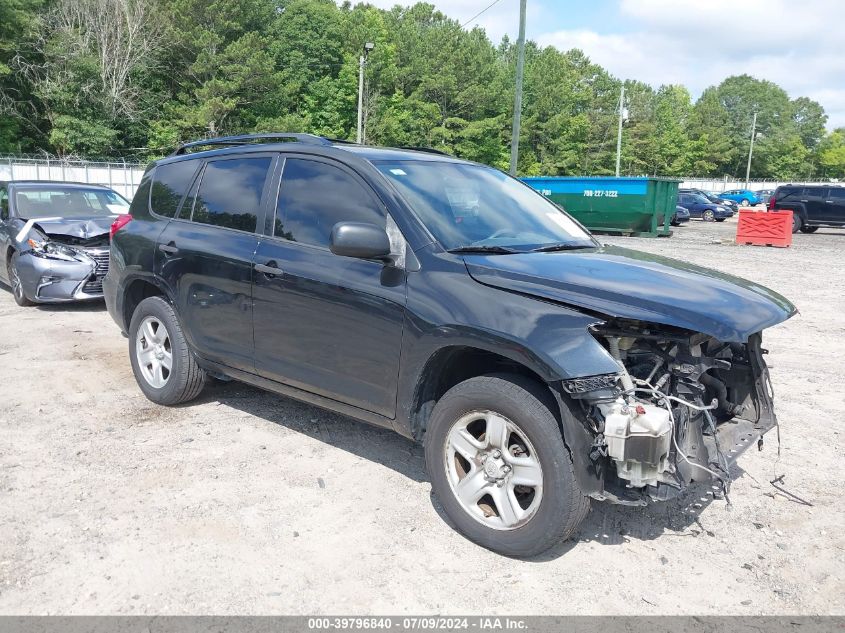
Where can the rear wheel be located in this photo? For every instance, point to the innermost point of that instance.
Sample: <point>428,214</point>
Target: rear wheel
<point>498,465</point>
<point>809,229</point>
<point>164,366</point>
<point>708,215</point>
<point>797,223</point>
<point>15,282</point>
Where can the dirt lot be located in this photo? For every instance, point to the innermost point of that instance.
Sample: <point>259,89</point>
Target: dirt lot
<point>245,502</point>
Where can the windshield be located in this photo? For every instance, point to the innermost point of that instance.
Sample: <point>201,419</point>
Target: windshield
<point>33,203</point>
<point>467,206</point>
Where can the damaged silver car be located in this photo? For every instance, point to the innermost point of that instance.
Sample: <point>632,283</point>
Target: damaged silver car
<point>55,239</point>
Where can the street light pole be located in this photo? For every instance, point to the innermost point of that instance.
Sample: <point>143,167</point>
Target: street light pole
<point>751,149</point>
<point>517,102</point>
<point>362,61</point>
<point>619,129</point>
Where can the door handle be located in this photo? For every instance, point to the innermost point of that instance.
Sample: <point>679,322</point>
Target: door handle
<point>168,249</point>
<point>828,201</point>
<point>270,269</point>
<point>804,200</point>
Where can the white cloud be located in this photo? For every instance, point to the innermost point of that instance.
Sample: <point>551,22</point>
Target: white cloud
<point>699,43</point>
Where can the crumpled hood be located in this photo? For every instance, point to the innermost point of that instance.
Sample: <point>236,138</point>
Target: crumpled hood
<point>623,283</point>
<point>77,227</point>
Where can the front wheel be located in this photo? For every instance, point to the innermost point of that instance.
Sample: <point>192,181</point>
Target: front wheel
<point>498,465</point>
<point>164,366</point>
<point>809,229</point>
<point>708,215</point>
<point>745,202</point>
<point>16,284</point>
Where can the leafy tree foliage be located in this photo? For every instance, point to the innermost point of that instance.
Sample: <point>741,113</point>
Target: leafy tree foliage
<point>132,78</point>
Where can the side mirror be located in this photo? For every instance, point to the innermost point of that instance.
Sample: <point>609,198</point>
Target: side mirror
<point>360,240</point>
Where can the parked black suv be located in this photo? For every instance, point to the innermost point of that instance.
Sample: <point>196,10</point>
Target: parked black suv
<point>812,206</point>
<point>453,304</point>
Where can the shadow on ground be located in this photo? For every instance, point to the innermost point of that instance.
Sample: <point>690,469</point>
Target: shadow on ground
<point>606,524</point>
<point>91,305</point>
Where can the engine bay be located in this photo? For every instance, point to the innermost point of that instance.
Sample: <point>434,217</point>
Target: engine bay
<point>682,408</point>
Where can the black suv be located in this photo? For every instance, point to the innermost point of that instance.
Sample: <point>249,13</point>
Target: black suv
<point>812,206</point>
<point>453,304</point>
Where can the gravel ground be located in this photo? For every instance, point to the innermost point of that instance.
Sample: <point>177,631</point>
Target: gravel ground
<point>245,502</point>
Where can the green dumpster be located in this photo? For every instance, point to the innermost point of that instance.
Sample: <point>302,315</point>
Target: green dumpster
<point>632,206</point>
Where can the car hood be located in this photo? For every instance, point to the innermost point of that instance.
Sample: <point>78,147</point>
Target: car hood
<point>623,283</point>
<point>83,228</point>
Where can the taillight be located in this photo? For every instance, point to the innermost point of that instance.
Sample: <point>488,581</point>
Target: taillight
<point>771,203</point>
<point>119,223</point>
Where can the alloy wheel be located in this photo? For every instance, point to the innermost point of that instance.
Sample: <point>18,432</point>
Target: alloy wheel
<point>154,352</point>
<point>493,470</point>
<point>15,282</point>
<point>708,216</point>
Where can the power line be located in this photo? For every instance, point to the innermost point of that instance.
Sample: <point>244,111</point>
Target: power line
<point>480,13</point>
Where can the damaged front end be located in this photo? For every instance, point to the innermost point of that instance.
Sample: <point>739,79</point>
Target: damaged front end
<point>57,267</point>
<point>681,409</point>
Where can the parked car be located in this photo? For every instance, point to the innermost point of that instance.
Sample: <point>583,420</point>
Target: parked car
<point>812,206</point>
<point>765,195</point>
<point>700,207</point>
<point>449,302</point>
<point>745,197</point>
<point>681,216</point>
<point>55,238</point>
<point>714,198</point>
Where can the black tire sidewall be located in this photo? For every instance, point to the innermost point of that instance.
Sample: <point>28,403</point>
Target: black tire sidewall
<point>23,301</point>
<point>173,391</point>
<point>541,427</point>
<point>797,223</point>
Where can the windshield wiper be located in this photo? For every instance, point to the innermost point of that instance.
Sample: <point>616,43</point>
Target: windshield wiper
<point>563,246</point>
<point>494,250</point>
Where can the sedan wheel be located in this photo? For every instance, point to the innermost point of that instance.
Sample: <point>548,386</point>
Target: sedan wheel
<point>745,202</point>
<point>493,470</point>
<point>708,215</point>
<point>16,284</point>
<point>154,352</point>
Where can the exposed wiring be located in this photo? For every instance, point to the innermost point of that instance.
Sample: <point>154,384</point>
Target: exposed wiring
<point>663,399</point>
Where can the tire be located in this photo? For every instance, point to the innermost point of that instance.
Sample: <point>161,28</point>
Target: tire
<point>745,202</point>
<point>809,229</point>
<point>150,350</point>
<point>15,283</point>
<point>797,223</point>
<point>550,512</point>
<point>708,216</point>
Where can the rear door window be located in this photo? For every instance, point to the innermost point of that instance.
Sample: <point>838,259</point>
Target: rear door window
<point>314,196</point>
<point>170,183</point>
<point>230,192</point>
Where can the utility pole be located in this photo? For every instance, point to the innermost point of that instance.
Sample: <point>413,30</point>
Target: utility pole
<point>362,61</point>
<point>619,129</point>
<point>751,149</point>
<point>517,102</point>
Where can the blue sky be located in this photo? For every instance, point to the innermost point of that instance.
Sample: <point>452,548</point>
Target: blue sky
<point>696,43</point>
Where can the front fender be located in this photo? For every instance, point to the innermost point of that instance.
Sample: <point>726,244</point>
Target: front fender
<point>447,308</point>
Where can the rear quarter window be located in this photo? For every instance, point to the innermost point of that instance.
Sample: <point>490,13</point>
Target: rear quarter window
<point>170,183</point>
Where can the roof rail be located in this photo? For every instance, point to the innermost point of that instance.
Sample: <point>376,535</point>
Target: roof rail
<point>245,139</point>
<point>429,150</point>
